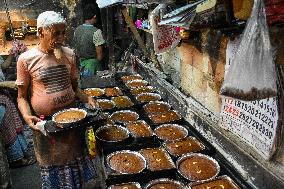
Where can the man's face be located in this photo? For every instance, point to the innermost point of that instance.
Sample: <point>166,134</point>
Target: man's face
<point>53,36</point>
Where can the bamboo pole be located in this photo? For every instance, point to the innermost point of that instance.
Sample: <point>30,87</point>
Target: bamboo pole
<point>138,38</point>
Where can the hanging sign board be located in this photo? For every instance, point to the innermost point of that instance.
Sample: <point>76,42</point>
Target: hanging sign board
<point>255,122</point>
<point>164,37</point>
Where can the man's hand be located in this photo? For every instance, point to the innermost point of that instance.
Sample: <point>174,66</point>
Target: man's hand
<point>8,84</point>
<point>92,103</point>
<point>31,121</point>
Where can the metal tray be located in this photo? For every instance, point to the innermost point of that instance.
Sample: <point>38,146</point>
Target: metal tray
<point>52,128</point>
<point>91,119</point>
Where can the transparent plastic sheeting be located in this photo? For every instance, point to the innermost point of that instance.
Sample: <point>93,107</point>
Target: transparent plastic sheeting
<point>252,73</point>
<point>182,16</point>
<point>105,3</point>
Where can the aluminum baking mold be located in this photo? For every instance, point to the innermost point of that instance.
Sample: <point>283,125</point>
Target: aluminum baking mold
<point>174,141</point>
<point>123,111</point>
<point>144,122</point>
<point>128,152</point>
<point>100,129</point>
<point>124,78</point>
<point>167,156</point>
<point>188,155</point>
<point>176,126</point>
<point>66,110</point>
<point>106,100</point>
<point>156,102</point>
<point>98,89</point>
<point>164,180</point>
<point>128,84</point>
<point>148,87</point>
<point>125,97</point>
<point>150,94</point>
<point>161,114</point>
<point>118,89</point>
<point>132,183</point>
<point>191,184</point>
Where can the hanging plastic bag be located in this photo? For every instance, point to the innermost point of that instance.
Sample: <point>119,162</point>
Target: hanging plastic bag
<point>252,74</point>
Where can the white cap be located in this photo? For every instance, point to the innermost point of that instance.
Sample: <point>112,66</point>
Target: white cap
<point>49,18</point>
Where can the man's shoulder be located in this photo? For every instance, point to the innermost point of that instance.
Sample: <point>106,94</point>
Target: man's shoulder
<point>29,54</point>
<point>68,51</point>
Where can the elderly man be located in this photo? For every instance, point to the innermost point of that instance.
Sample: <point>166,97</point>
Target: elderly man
<point>48,74</point>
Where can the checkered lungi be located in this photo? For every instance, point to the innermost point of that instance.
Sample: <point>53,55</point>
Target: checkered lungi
<point>12,123</point>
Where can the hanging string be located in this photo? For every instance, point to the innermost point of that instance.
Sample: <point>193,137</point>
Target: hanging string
<point>9,20</point>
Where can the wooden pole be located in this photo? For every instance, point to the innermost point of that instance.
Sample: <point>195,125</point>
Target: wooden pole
<point>110,41</point>
<point>138,38</point>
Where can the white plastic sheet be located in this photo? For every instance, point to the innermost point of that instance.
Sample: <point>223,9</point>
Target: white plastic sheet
<point>252,73</point>
<point>105,3</point>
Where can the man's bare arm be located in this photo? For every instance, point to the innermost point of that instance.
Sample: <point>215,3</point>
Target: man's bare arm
<point>24,107</point>
<point>99,52</point>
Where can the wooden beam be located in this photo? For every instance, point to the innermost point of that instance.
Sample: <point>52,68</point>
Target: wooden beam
<point>138,38</point>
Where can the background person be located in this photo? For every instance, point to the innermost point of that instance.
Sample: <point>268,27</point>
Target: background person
<point>11,125</point>
<point>88,41</point>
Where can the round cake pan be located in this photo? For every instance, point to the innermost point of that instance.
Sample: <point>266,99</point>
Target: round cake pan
<point>128,78</point>
<point>137,154</point>
<point>157,97</point>
<point>124,111</point>
<point>152,103</point>
<point>102,91</point>
<point>106,100</point>
<point>189,155</point>
<point>129,83</point>
<point>100,129</point>
<point>135,184</point>
<point>174,126</point>
<point>233,185</point>
<point>66,110</point>
<point>163,181</point>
